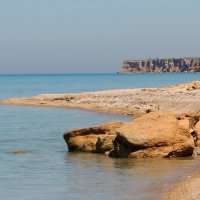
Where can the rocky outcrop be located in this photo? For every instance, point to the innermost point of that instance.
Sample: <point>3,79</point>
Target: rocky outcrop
<point>156,134</point>
<point>161,65</point>
<point>97,139</point>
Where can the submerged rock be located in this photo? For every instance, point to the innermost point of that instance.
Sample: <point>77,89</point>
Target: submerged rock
<point>19,152</point>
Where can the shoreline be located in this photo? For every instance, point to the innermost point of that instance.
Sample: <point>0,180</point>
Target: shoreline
<point>181,98</point>
<point>132,102</point>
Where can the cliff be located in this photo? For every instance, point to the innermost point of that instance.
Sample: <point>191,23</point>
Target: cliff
<point>161,65</point>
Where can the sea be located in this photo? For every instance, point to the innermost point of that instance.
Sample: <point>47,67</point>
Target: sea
<point>34,160</point>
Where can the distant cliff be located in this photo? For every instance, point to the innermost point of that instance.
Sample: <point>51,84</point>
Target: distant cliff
<point>161,65</point>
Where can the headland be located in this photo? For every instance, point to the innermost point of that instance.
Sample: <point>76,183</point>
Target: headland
<point>167,65</point>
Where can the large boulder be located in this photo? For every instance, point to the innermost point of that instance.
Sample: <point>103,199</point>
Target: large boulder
<point>158,134</point>
<point>97,139</point>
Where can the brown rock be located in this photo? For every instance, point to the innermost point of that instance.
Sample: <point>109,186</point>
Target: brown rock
<point>94,139</point>
<point>158,134</point>
<point>179,150</point>
<point>105,144</point>
<point>155,129</point>
<point>197,129</point>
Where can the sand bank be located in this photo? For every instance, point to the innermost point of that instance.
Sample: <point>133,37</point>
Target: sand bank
<point>182,98</point>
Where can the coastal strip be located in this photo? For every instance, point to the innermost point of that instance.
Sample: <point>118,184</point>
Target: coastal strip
<point>181,98</point>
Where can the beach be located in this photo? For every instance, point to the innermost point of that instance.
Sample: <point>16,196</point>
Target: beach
<point>131,102</point>
<point>181,98</point>
<point>99,100</point>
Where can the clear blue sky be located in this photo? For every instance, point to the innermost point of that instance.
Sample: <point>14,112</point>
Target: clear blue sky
<point>81,36</point>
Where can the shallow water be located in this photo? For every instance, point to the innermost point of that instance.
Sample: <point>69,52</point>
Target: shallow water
<point>35,164</point>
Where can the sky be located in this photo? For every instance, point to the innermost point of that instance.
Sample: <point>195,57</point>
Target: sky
<point>94,36</point>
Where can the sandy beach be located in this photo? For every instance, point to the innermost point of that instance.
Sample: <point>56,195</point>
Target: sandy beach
<point>182,98</point>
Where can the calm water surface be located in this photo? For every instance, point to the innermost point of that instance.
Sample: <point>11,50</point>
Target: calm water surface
<point>44,170</point>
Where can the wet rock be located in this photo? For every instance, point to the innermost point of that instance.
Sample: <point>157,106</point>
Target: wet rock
<point>113,154</point>
<point>181,150</point>
<point>19,152</point>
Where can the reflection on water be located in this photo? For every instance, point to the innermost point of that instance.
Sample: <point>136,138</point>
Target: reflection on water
<point>123,178</point>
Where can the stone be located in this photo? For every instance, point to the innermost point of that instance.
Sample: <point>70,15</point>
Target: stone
<point>196,151</point>
<point>157,134</point>
<point>181,150</point>
<point>94,139</point>
<point>104,144</point>
<point>197,129</point>
<point>153,135</point>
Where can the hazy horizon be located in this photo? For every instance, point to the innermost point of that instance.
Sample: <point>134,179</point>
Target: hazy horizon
<point>69,37</point>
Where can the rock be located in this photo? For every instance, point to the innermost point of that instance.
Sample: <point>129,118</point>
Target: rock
<point>158,134</point>
<point>196,151</point>
<point>161,65</point>
<point>113,154</point>
<point>19,152</point>
<point>104,144</point>
<point>182,150</point>
<point>95,139</point>
<point>197,129</point>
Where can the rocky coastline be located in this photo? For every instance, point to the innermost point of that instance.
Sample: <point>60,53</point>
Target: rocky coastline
<point>166,124</point>
<point>168,65</point>
<point>162,127</point>
<point>156,134</point>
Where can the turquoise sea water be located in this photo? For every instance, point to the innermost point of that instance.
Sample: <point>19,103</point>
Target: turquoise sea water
<point>44,170</point>
<point>27,85</point>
